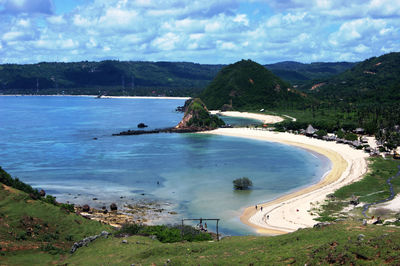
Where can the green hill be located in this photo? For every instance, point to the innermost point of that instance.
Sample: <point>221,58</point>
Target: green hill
<point>299,73</point>
<point>108,77</point>
<point>248,85</point>
<point>197,116</point>
<point>374,80</point>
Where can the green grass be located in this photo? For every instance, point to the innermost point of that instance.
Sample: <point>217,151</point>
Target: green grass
<point>333,244</point>
<point>33,228</point>
<point>371,188</point>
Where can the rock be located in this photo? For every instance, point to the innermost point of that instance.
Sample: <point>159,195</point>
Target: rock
<point>113,207</point>
<point>320,225</point>
<point>124,241</point>
<point>105,211</point>
<point>153,237</point>
<point>95,199</point>
<point>365,222</point>
<point>360,237</point>
<point>33,196</point>
<point>42,193</point>
<point>378,222</point>
<point>142,125</point>
<point>105,234</point>
<point>85,208</point>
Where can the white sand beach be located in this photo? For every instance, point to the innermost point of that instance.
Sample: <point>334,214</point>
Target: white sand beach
<point>291,212</point>
<point>266,119</point>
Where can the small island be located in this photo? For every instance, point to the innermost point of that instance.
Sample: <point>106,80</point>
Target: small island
<point>196,119</point>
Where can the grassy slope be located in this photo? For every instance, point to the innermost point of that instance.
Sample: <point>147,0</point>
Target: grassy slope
<point>52,231</point>
<point>330,245</point>
<point>371,188</point>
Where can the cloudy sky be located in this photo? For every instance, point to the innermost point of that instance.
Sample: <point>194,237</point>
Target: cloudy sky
<point>203,31</point>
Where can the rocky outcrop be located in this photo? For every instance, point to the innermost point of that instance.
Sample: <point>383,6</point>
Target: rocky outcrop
<point>196,119</point>
<point>87,240</point>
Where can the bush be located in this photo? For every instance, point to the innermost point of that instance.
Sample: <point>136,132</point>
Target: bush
<point>242,183</point>
<point>166,234</point>
<point>350,136</point>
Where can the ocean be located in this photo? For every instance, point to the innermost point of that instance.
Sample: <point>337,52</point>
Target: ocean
<point>65,146</point>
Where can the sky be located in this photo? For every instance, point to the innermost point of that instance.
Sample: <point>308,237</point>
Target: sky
<point>208,32</point>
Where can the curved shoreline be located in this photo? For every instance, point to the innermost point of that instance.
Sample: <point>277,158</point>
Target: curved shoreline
<point>290,212</point>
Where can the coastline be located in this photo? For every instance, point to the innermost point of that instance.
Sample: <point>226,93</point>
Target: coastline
<point>290,212</point>
<point>103,97</point>
<point>266,119</point>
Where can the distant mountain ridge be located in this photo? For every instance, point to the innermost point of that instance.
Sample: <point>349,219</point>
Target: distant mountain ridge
<point>136,77</point>
<point>299,73</point>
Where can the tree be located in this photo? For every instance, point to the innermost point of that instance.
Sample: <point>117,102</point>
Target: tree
<point>242,183</point>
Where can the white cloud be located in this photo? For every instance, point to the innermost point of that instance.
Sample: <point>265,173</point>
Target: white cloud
<point>214,31</point>
<point>242,19</point>
<point>12,35</point>
<point>56,20</point>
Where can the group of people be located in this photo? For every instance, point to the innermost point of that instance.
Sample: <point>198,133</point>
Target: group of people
<point>261,209</point>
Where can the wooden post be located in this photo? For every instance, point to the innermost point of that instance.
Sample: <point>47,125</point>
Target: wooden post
<point>182,231</point>
<point>217,231</point>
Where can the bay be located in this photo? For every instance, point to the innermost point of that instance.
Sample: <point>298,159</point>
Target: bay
<point>49,142</point>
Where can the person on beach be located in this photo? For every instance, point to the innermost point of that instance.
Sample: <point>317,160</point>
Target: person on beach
<point>267,217</point>
<point>261,208</point>
<point>256,207</point>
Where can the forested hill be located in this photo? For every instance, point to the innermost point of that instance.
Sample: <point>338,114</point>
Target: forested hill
<point>137,78</point>
<point>248,85</point>
<point>299,73</point>
<point>107,77</point>
<point>374,80</point>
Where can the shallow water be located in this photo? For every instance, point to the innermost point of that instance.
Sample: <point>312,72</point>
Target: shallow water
<point>48,143</point>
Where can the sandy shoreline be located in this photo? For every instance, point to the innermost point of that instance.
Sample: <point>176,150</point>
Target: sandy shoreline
<point>266,119</point>
<point>291,212</point>
<point>104,97</point>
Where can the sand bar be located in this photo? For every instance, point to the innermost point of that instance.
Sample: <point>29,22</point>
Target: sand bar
<point>266,119</point>
<point>291,212</point>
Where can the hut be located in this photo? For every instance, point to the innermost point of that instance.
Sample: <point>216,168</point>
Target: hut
<point>310,130</point>
<point>359,130</point>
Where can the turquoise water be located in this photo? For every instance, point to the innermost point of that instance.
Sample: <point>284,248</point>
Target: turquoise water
<point>49,143</point>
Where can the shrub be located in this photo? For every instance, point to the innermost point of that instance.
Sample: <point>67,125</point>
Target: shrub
<point>242,183</point>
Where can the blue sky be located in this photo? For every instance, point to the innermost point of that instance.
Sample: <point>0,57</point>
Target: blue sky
<point>212,31</point>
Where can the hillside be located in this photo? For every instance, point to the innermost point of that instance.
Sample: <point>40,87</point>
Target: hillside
<point>107,77</point>
<point>197,116</point>
<point>33,232</point>
<point>248,85</point>
<point>298,73</point>
<point>375,80</point>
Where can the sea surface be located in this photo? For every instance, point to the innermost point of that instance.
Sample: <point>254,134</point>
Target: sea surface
<point>64,146</point>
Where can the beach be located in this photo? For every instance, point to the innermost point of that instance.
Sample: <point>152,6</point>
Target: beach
<point>292,211</point>
<point>266,119</point>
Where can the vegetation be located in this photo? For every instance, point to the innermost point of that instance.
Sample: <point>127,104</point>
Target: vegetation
<point>197,115</point>
<point>300,74</point>
<point>33,232</point>
<point>247,85</point>
<point>242,183</point>
<point>6,179</point>
<point>166,234</point>
<point>107,77</point>
<point>371,188</point>
<point>330,245</point>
